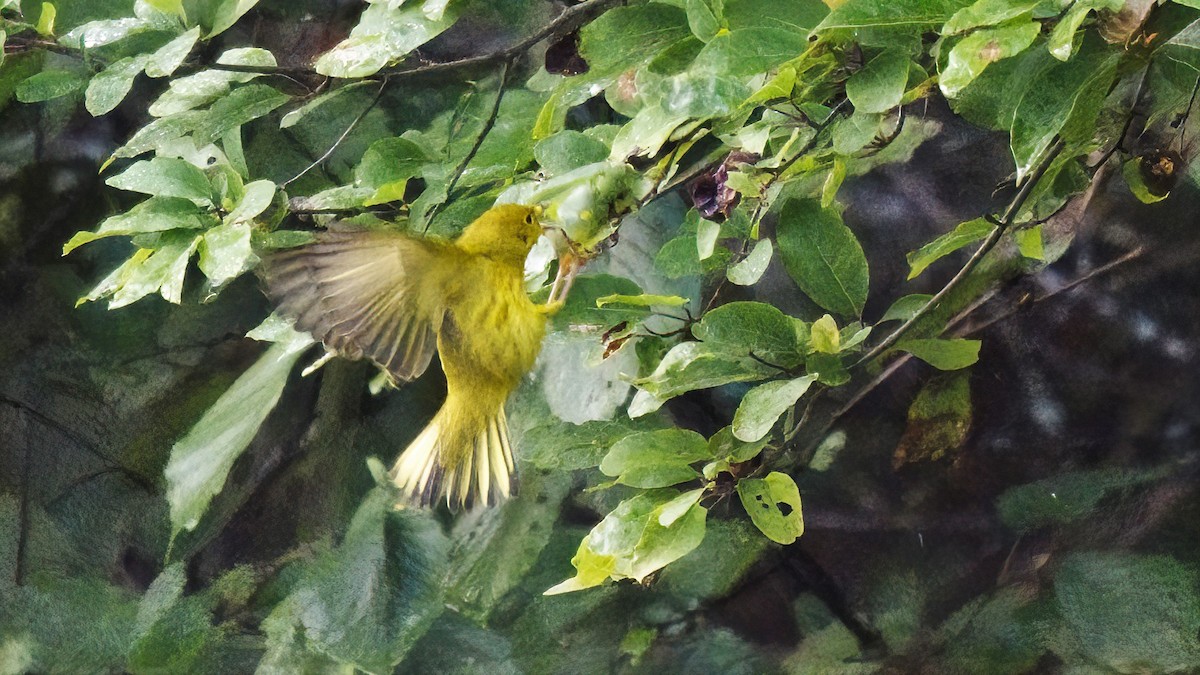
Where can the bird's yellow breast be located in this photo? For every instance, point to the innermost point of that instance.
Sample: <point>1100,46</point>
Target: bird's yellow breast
<point>493,333</point>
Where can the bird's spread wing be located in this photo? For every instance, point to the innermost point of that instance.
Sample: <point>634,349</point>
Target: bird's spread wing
<point>372,294</point>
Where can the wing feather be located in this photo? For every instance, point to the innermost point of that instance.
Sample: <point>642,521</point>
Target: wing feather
<point>365,294</point>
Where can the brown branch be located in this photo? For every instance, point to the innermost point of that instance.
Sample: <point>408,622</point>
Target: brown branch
<point>566,22</point>
<point>487,127</point>
<point>993,238</point>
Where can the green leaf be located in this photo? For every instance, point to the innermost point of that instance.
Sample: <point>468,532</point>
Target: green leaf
<point>852,134</point>
<point>256,198</point>
<point>1062,38</point>
<point>833,182</point>
<point>748,51</point>
<point>679,258</point>
<point>162,271</point>
<point>225,252</point>
<point>725,560</point>
<point>987,13</point>
<point>48,85</point>
<point>689,366</point>
<point>111,85</point>
<point>568,150</point>
<point>193,91</point>
<point>201,460</point>
<point>761,406</point>
<point>172,630</point>
<point>367,602</point>
<point>563,446</point>
<point>492,556</point>
<point>673,530</point>
<point>943,354</point>
<point>1068,497</point>
<point>45,23</point>
<point>724,445</point>
<point>704,18</point>
<point>913,15</point>
<point>962,235</point>
<point>852,336</point>
<point>797,16</point>
<point>655,458</point>
<point>386,167</point>
<point>626,37</point>
<point>938,420</point>
<point>104,32</point>
<point>1064,92</point>
<point>879,86</point>
<point>172,7</point>
<point>158,133</point>
<point>243,105</point>
<point>645,134</point>
<point>1131,612</point>
<point>742,328</point>
<point>750,270</point>
<point>774,506</point>
<point>157,214</point>
<point>220,15</point>
<point>906,307</point>
<point>824,337</point>
<point>168,58</point>
<point>280,329</point>
<point>383,36</point>
<point>643,534</point>
<point>823,257</point>
<point>582,308</point>
<point>642,300</point>
<point>1029,242</point>
<point>117,278</point>
<point>164,177</point>
<point>982,48</point>
<point>293,117</point>
<point>707,232</point>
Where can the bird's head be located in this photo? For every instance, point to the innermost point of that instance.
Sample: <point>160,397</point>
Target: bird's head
<point>504,232</point>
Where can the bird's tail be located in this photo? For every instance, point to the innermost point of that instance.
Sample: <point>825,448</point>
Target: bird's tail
<point>465,459</point>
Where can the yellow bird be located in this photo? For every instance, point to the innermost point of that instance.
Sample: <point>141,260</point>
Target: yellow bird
<point>391,297</point>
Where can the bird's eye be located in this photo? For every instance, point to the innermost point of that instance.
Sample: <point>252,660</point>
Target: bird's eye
<point>529,219</point>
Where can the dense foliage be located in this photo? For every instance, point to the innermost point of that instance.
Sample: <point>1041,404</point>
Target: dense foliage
<point>686,147</point>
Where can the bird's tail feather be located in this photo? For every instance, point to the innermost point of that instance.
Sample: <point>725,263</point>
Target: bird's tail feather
<point>432,468</point>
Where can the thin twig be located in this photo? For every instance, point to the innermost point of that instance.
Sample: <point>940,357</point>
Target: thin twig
<point>1025,302</point>
<point>993,238</point>
<point>563,24</point>
<point>1187,113</point>
<point>763,202</point>
<point>487,127</point>
<point>1133,107</point>
<point>23,517</point>
<point>340,139</point>
<point>1030,301</point>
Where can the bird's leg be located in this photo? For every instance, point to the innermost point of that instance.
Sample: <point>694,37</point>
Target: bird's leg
<point>569,265</point>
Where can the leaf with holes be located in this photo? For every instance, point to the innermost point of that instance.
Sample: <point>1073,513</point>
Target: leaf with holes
<point>774,506</point>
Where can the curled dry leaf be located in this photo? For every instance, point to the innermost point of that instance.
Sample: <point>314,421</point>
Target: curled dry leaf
<point>1118,27</point>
